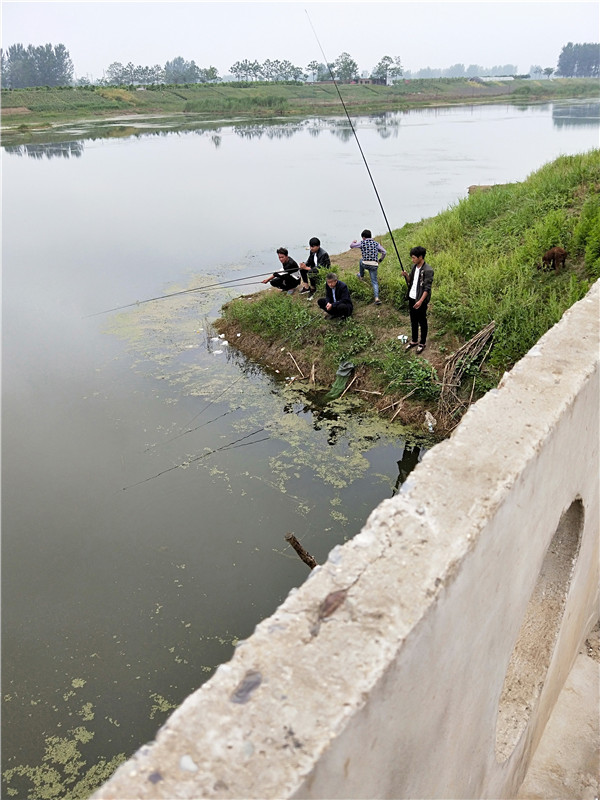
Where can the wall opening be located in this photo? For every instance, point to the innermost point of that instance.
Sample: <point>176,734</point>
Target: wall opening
<point>532,652</point>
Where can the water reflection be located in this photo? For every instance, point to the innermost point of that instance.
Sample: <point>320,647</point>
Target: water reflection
<point>386,124</point>
<point>408,461</point>
<point>54,150</point>
<point>585,114</point>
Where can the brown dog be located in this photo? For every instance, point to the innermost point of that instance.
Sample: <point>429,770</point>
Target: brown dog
<point>554,258</point>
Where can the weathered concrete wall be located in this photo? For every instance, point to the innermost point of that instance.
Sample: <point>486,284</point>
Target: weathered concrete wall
<point>382,675</point>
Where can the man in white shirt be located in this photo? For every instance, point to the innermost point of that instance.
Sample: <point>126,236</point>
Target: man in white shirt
<point>419,284</point>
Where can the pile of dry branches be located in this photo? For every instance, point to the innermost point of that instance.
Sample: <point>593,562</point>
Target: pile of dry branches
<point>456,364</point>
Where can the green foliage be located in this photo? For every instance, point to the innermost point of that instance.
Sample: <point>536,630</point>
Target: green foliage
<point>346,338</point>
<point>360,290</point>
<point>486,251</point>
<point>579,60</point>
<point>401,374</point>
<point>271,103</point>
<point>43,66</point>
<point>273,316</point>
<point>586,236</point>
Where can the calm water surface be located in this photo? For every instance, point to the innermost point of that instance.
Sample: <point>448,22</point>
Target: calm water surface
<point>149,473</point>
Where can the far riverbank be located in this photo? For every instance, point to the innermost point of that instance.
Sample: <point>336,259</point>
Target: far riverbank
<point>34,115</point>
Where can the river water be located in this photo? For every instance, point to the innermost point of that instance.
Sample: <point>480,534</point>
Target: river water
<point>150,473</point>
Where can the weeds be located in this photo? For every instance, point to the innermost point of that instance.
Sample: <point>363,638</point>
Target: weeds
<point>273,317</point>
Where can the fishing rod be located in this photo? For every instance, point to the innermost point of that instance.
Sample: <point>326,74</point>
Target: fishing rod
<point>183,291</point>
<point>356,137</point>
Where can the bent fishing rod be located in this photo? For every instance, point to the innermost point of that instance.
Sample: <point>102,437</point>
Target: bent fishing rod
<point>186,291</point>
<point>356,137</point>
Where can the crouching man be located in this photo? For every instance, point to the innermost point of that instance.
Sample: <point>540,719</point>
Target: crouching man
<point>337,301</point>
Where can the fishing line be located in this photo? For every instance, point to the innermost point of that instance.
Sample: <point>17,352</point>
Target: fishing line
<point>183,291</point>
<point>356,137</point>
<point>231,446</point>
<point>202,410</point>
<point>191,430</point>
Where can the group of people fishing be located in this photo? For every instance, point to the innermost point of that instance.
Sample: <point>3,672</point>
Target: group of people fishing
<point>337,301</point>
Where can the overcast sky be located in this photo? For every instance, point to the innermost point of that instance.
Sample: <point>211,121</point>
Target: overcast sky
<point>423,33</point>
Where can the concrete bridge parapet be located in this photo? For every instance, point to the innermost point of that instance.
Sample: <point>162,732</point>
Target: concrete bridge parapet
<point>425,657</point>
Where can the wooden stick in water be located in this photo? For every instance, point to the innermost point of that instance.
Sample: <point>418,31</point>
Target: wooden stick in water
<point>296,363</point>
<point>306,557</point>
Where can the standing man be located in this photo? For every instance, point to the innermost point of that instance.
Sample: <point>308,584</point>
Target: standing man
<point>370,260</point>
<point>288,280</point>
<point>309,269</point>
<point>419,294</point>
<point>337,301</point>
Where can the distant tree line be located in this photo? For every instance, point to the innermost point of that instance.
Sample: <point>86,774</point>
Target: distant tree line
<point>579,61</point>
<point>46,65</point>
<point>176,71</point>
<point>50,65</point>
<point>460,71</point>
<point>535,71</point>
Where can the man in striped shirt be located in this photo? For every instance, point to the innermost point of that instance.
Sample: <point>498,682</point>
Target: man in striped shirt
<point>370,250</point>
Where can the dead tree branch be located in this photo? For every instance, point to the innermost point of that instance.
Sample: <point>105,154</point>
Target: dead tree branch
<point>306,557</point>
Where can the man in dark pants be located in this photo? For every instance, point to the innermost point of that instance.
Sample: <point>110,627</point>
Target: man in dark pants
<point>337,302</point>
<point>288,280</point>
<point>310,269</point>
<point>419,294</point>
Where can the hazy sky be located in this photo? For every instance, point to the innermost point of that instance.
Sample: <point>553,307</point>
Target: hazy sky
<point>422,33</point>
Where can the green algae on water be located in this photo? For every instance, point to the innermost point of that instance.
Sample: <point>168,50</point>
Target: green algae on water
<point>160,705</point>
<point>161,336</point>
<point>63,772</point>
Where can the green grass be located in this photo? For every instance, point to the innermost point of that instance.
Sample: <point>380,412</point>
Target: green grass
<point>485,251</point>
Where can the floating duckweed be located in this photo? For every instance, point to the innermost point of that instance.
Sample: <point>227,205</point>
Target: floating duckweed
<point>339,517</point>
<point>161,334</point>
<point>77,683</point>
<point>161,705</point>
<point>62,773</point>
<point>86,712</point>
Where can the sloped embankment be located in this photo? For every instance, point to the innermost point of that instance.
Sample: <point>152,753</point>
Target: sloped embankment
<point>486,251</point>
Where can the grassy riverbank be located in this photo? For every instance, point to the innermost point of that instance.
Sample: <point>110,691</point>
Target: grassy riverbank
<point>27,113</point>
<point>485,250</point>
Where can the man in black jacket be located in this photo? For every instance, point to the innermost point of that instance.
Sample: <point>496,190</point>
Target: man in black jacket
<point>419,284</point>
<point>337,301</point>
<point>310,269</point>
<point>288,280</point>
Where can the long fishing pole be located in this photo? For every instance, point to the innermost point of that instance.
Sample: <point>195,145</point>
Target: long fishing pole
<point>356,137</point>
<point>183,291</point>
